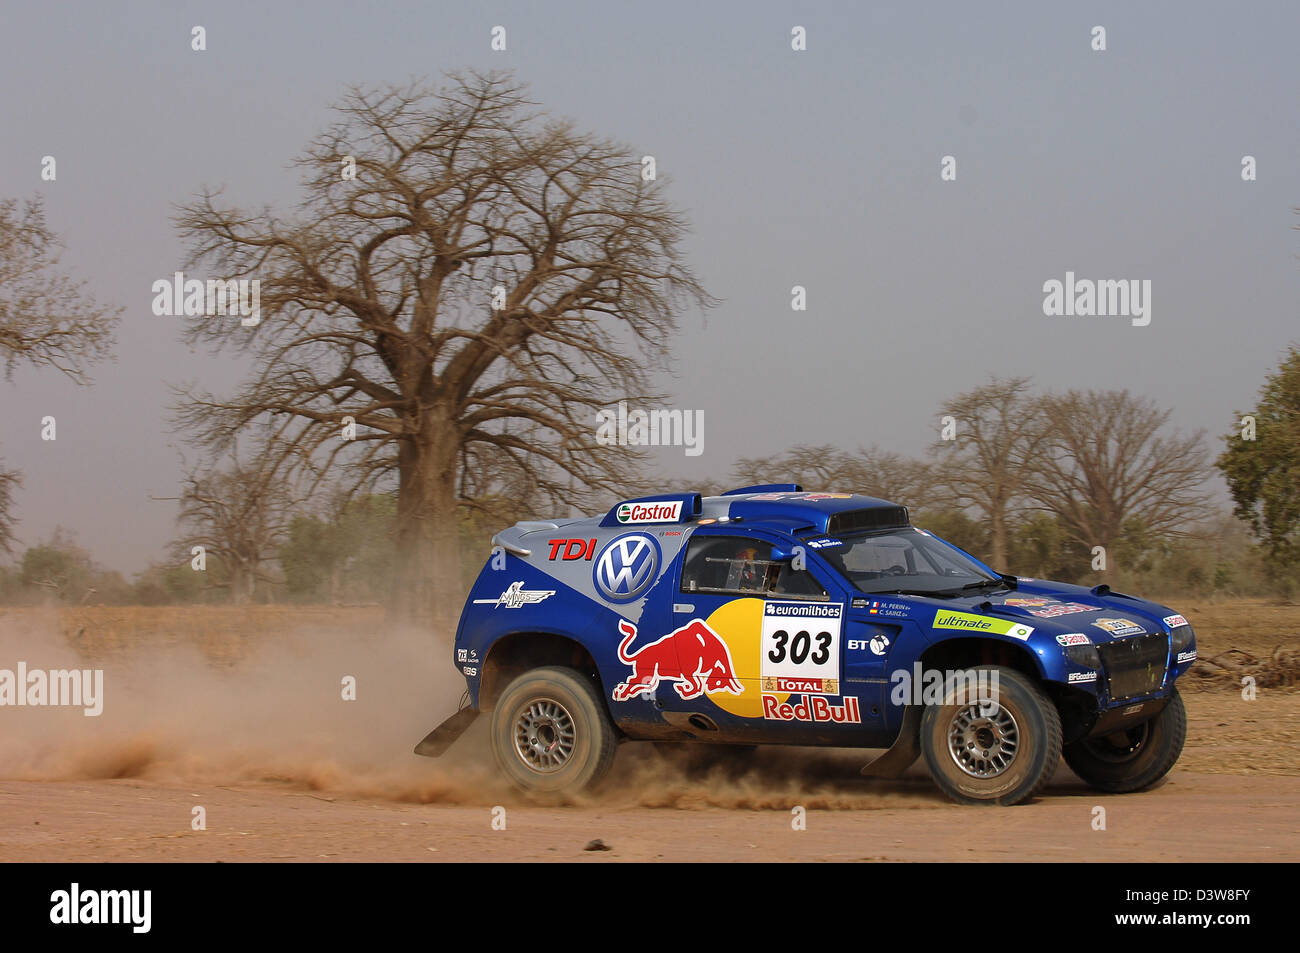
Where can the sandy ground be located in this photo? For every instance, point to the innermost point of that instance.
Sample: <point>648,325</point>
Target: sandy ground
<point>1191,817</point>
<point>254,730</point>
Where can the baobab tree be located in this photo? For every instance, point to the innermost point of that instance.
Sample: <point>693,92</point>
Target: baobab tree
<point>880,473</point>
<point>463,284</point>
<point>239,515</point>
<point>1108,458</point>
<point>984,467</point>
<point>46,318</point>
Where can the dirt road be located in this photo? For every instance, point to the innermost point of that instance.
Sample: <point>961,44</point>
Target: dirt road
<point>254,729</point>
<point>1190,817</point>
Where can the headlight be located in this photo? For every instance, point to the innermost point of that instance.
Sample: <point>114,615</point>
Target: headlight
<point>1183,636</point>
<point>1085,655</point>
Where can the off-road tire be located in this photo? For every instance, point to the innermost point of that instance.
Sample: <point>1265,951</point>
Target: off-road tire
<point>1034,723</point>
<point>1138,759</point>
<point>551,732</point>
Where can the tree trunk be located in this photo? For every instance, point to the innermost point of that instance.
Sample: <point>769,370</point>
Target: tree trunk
<point>241,585</point>
<point>998,532</point>
<point>427,580</point>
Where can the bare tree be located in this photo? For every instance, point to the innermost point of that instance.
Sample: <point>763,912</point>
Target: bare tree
<point>46,318</point>
<point>1108,459</point>
<point>487,280</point>
<point>887,475</point>
<point>984,466</point>
<point>9,481</point>
<point>239,515</point>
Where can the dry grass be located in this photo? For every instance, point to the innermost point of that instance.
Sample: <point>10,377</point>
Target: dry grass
<point>1241,637</point>
<point>224,634</point>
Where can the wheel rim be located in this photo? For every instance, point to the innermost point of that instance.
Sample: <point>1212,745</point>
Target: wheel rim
<point>544,735</point>
<point>983,745</point>
<point>1120,746</point>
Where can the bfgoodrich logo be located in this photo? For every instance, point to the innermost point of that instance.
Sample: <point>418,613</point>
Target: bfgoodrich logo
<point>1107,297</point>
<point>75,905</point>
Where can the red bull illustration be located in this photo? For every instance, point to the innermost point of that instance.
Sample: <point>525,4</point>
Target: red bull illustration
<point>692,656</point>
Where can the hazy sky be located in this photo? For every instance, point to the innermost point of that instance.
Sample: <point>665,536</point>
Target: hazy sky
<point>818,168</point>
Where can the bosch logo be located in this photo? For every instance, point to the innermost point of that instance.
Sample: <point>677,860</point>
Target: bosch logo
<point>626,567</point>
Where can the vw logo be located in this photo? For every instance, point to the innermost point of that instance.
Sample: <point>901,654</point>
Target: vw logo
<point>626,567</point>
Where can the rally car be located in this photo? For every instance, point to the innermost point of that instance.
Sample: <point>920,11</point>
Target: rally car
<point>770,615</point>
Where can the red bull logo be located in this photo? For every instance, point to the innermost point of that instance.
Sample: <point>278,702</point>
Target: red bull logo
<point>812,708</point>
<point>693,656</point>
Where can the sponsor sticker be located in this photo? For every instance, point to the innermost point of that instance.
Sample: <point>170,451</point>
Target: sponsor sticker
<point>1184,657</point>
<point>1029,601</point>
<point>571,549</point>
<point>801,640</point>
<point>650,512</point>
<point>802,686</point>
<point>1074,638</point>
<point>825,542</point>
<point>626,567</point>
<point>813,708</point>
<point>883,607</point>
<point>969,622</point>
<point>693,657</point>
<point>517,596</point>
<point>1174,621</point>
<point>1082,677</point>
<point>1062,608</point>
<point>1120,626</point>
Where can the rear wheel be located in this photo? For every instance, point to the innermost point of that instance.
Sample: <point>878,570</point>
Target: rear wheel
<point>997,748</point>
<point>1133,758</point>
<point>551,732</point>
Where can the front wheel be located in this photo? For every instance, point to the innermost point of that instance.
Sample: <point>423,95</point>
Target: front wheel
<point>999,744</point>
<point>1134,758</point>
<point>551,732</point>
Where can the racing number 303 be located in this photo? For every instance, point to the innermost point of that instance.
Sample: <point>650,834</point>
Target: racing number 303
<point>800,646</point>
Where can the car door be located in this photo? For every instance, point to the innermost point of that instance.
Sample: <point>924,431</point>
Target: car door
<point>767,639</point>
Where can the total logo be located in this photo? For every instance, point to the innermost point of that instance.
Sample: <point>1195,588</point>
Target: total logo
<point>626,567</point>
<point>650,512</point>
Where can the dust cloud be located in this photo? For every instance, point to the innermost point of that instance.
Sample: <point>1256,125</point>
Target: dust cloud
<point>277,716</point>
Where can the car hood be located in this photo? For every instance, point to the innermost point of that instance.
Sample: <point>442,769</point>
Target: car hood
<point>1054,609</point>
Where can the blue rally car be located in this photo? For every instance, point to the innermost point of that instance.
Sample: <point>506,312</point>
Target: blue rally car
<point>769,615</point>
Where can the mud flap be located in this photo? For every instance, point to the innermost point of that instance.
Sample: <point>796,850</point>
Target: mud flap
<point>441,738</point>
<point>903,753</point>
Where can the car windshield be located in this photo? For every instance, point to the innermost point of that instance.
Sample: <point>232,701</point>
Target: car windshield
<point>906,561</point>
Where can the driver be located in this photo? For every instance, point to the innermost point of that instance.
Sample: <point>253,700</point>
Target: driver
<point>749,572</point>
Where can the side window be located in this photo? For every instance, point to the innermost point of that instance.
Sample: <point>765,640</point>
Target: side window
<point>726,564</point>
<point>800,583</point>
<point>737,564</point>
